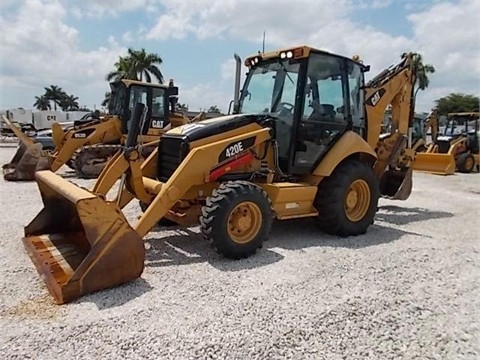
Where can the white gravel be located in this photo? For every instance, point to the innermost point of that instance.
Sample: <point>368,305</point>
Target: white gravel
<point>407,289</point>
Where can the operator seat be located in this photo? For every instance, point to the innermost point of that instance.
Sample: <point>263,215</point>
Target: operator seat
<point>322,112</point>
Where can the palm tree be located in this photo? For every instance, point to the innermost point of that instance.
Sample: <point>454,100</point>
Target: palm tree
<point>69,102</point>
<point>42,103</point>
<point>146,64</point>
<point>137,65</point>
<point>422,70</point>
<point>124,69</point>
<point>55,94</point>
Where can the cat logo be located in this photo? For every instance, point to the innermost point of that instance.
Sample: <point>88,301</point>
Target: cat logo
<point>157,124</point>
<point>375,98</point>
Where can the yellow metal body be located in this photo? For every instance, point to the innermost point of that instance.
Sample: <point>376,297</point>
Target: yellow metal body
<point>98,224</point>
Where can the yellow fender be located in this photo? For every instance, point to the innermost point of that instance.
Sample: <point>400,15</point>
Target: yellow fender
<point>350,143</point>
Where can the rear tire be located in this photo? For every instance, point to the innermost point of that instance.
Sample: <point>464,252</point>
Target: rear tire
<point>465,163</point>
<point>236,219</point>
<point>347,200</point>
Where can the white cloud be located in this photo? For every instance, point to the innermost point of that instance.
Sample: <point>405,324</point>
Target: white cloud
<point>101,8</point>
<point>448,36</point>
<point>444,33</point>
<point>40,49</point>
<point>202,96</point>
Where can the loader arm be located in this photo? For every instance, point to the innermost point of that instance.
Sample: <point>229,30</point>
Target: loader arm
<point>108,131</point>
<point>186,176</point>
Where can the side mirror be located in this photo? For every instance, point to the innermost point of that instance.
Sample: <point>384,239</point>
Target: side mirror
<point>172,91</point>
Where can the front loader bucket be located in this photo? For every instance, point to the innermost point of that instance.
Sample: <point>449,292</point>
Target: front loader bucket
<point>441,164</point>
<point>28,159</point>
<point>79,242</point>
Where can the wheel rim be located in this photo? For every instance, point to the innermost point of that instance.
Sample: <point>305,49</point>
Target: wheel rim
<point>468,163</point>
<point>244,222</point>
<point>357,200</point>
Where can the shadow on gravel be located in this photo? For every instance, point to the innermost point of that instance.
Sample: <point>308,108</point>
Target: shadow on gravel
<point>117,296</point>
<point>402,215</point>
<point>304,233</point>
<point>184,247</point>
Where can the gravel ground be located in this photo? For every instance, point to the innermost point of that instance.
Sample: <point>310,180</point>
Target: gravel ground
<point>408,289</point>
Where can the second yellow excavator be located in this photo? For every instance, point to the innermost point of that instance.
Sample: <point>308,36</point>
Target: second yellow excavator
<point>303,141</point>
<point>87,145</point>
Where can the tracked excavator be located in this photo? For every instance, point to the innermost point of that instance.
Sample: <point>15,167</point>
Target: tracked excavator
<point>303,141</point>
<point>457,149</point>
<point>88,144</point>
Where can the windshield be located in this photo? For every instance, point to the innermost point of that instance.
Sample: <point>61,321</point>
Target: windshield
<point>270,87</point>
<point>460,125</point>
<point>117,98</point>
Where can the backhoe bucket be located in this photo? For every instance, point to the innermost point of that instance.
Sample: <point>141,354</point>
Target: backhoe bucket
<point>79,242</point>
<point>28,159</point>
<point>441,164</point>
<point>396,184</point>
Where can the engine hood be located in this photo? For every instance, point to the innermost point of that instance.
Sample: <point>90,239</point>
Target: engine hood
<point>218,125</point>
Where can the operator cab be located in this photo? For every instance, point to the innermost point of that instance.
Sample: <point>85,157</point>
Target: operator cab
<point>313,97</point>
<point>460,124</point>
<point>125,94</point>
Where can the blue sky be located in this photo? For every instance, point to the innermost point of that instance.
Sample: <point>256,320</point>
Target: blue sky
<point>74,43</point>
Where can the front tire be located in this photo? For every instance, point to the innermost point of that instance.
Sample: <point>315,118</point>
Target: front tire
<point>236,219</point>
<point>347,200</point>
<point>465,162</point>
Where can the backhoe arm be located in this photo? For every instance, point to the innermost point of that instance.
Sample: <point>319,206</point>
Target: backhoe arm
<point>393,86</point>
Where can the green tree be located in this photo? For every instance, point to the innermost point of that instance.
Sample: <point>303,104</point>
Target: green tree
<point>137,65</point>
<point>42,103</point>
<point>124,69</point>
<point>146,64</point>
<point>69,103</point>
<point>54,94</point>
<point>457,102</point>
<point>213,109</point>
<point>422,70</point>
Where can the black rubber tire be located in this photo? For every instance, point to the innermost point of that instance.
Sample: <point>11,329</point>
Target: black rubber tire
<point>331,197</point>
<point>462,165</point>
<point>162,221</point>
<point>216,212</point>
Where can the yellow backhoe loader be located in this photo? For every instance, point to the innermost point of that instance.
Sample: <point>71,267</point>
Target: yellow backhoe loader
<point>87,145</point>
<point>303,141</point>
<point>419,141</point>
<point>457,149</point>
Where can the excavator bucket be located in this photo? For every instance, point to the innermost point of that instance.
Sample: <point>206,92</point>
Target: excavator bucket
<point>396,184</point>
<point>79,242</point>
<point>28,159</point>
<point>441,164</point>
